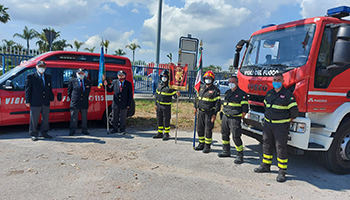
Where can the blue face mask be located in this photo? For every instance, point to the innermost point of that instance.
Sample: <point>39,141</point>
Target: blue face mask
<point>277,85</point>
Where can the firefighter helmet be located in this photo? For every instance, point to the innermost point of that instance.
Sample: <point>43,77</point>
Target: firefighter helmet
<point>209,74</point>
<point>165,73</point>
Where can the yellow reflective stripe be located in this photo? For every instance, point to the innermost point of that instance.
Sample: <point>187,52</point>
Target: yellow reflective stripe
<point>157,91</point>
<point>232,104</point>
<point>282,160</point>
<point>267,156</point>
<point>201,139</point>
<point>265,101</point>
<point>168,94</point>
<point>208,140</point>
<point>278,121</point>
<point>207,99</point>
<point>239,148</point>
<point>240,115</point>
<point>166,131</point>
<point>267,161</point>
<point>160,131</point>
<point>280,107</point>
<point>164,103</point>
<point>282,166</point>
<point>167,128</point>
<point>160,127</point>
<point>225,142</point>
<point>292,105</point>
<point>244,102</point>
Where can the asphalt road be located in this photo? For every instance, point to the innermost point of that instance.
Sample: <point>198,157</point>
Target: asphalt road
<point>135,166</point>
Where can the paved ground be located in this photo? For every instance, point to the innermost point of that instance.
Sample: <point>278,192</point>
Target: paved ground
<point>135,166</point>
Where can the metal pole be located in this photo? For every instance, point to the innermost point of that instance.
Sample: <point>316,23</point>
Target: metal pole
<point>51,40</point>
<point>177,111</point>
<point>159,33</point>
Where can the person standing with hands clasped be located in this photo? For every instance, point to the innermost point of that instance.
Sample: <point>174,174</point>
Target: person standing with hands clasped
<point>209,104</point>
<point>78,93</point>
<point>235,108</point>
<point>280,110</point>
<point>163,99</point>
<point>121,100</point>
<point>155,79</point>
<point>38,94</point>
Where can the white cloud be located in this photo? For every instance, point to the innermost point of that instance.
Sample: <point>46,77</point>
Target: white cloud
<point>135,10</point>
<point>106,8</point>
<point>313,8</point>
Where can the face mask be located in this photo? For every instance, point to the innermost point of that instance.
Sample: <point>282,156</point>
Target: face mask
<point>164,79</point>
<point>232,85</point>
<point>277,85</point>
<point>41,70</point>
<point>80,76</point>
<point>207,81</point>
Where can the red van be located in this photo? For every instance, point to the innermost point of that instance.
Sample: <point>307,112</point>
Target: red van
<point>62,65</point>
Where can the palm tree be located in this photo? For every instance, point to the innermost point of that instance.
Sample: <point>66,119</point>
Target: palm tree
<point>231,68</point>
<point>8,44</point>
<point>218,68</point>
<point>42,42</point>
<point>60,45</point>
<point>120,52</point>
<point>77,45</point>
<point>27,35</point>
<point>133,47</point>
<point>4,16</point>
<point>18,48</point>
<point>105,44</point>
<point>170,56</point>
<point>90,50</point>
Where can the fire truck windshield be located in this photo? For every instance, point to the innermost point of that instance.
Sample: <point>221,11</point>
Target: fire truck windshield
<point>278,51</point>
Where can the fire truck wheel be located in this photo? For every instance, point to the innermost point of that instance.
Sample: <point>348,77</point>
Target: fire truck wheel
<point>337,158</point>
<point>110,116</point>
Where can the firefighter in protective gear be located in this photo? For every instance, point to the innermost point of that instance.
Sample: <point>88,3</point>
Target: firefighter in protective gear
<point>235,108</point>
<point>208,104</point>
<point>163,99</point>
<point>280,109</point>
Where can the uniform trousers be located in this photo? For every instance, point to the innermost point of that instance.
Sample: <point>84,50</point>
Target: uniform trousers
<point>34,120</point>
<point>119,117</point>
<point>231,125</point>
<point>74,120</point>
<point>163,118</point>
<point>205,126</point>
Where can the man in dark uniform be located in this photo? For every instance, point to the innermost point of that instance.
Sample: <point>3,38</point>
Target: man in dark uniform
<point>235,108</point>
<point>280,109</point>
<point>78,93</point>
<point>121,100</point>
<point>208,103</point>
<point>163,99</point>
<point>38,94</point>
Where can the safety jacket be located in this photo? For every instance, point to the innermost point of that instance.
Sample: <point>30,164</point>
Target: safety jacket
<point>280,106</point>
<point>164,94</point>
<point>235,102</point>
<point>208,99</point>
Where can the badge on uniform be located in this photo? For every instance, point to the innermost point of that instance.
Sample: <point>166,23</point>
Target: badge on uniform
<point>211,91</point>
<point>236,95</point>
<point>48,84</point>
<point>282,96</point>
<point>87,86</point>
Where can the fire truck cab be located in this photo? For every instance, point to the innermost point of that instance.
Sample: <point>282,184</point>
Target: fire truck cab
<point>314,57</point>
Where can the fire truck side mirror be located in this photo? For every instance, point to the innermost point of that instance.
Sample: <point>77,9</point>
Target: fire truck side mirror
<point>236,60</point>
<point>8,85</point>
<point>342,46</point>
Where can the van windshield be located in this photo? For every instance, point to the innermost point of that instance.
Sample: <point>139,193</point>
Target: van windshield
<point>10,73</point>
<point>278,51</point>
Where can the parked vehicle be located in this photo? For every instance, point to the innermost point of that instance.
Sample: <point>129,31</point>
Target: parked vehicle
<point>62,66</point>
<point>222,85</point>
<point>313,55</point>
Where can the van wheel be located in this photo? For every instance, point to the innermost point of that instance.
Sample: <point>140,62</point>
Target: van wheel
<point>337,158</point>
<point>110,117</point>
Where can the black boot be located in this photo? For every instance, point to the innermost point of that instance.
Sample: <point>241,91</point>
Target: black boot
<point>226,151</point>
<point>206,148</point>
<point>239,158</point>
<point>166,136</point>
<point>281,177</point>
<point>262,168</point>
<point>199,147</point>
<point>159,135</point>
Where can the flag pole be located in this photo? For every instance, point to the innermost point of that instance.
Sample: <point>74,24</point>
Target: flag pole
<point>107,118</point>
<point>198,82</point>
<point>194,132</point>
<point>177,109</point>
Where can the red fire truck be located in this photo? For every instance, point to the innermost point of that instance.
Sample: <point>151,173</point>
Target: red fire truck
<point>314,57</point>
<point>62,65</point>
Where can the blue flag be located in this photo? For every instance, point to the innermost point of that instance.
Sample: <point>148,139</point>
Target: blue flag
<point>101,71</point>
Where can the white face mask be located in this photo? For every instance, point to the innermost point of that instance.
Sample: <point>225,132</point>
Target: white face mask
<point>232,85</point>
<point>41,70</point>
<point>164,79</point>
<point>80,76</point>
<point>207,81</point>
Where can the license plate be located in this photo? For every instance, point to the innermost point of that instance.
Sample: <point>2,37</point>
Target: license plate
<point>254,117</point>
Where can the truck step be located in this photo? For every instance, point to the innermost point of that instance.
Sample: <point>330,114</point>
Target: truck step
<point>315,146</point>
<point>316,125</point>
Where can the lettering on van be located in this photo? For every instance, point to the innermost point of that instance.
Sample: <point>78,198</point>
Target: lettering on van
<point>311,100</point>
<point>91,98</point>
<point>14,100</point>
<point>261,72</point>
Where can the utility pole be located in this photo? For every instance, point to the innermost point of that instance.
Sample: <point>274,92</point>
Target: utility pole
<point>159,33</point>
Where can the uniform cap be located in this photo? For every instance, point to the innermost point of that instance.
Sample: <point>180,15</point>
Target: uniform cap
<point>41,63</point>
<point>121,72</point>
<point>209,74</point>
<point>80,70</point>
<point>165,73</point>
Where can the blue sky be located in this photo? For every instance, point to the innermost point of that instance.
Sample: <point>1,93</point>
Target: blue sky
<point>220,23</point>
